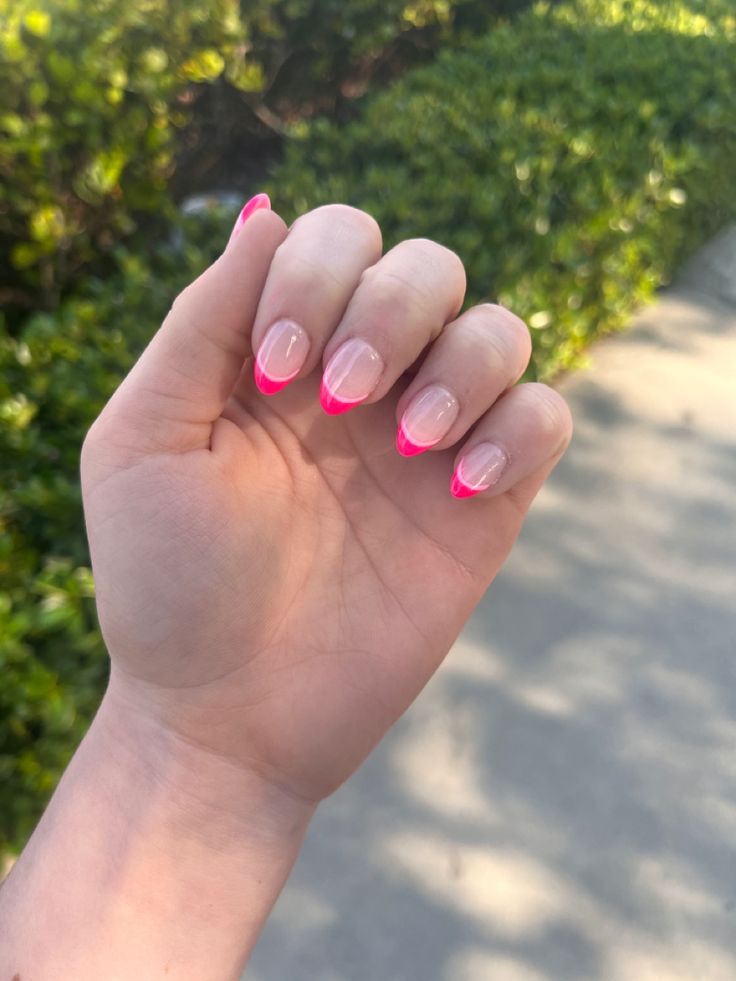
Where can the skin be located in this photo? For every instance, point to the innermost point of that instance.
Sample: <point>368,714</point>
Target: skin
<point>274,585</point>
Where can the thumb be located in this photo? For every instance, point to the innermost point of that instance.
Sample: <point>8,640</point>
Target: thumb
<point>181,382</point>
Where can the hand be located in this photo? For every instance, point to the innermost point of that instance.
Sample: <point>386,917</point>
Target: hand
<point>277,582</point>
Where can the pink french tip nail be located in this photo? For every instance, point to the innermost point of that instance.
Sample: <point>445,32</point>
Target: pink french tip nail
<point>350,376</point>
<point>405,446</point>
<point>459,489</point>
<point>331,404</point>
<point>479,469</point>
<point>281,356</point>
<point>269,386</point>
<point>427,419</point>
<point>261,202</point>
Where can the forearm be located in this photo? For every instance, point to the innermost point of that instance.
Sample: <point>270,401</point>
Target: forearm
<point>152,860</point>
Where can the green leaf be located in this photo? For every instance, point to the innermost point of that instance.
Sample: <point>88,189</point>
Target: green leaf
<point>37,22</point>
<point>205,66</point>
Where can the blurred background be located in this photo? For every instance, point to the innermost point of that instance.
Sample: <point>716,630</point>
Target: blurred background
<point>561,801</point>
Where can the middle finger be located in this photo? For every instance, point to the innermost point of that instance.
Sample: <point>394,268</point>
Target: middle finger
<point>401,304</point>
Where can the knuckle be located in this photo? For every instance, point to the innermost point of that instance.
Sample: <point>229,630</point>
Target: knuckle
<point>440,258</point>
<point>395,297</point>
<point>433,250</point>
<point>301,268</point>
<point>454,262</point>
<point>517,332</point>
<point>513,325</point>
<point>505,340</point>
<point>391,294</point>
<point>300,272</point>
<point>347,221</point>
<point>431,276</point>
<point>333,230</point>
<point>551,408</point>
<point>358,220</point>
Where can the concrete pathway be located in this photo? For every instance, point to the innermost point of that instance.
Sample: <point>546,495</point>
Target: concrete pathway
<point>560,803</point>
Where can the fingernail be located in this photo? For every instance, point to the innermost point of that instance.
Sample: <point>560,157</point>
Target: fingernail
<point>351,375</point>
<point>478,470</point>
<point>427,418</point>
<point>281,355</point>
<point>261,202</point>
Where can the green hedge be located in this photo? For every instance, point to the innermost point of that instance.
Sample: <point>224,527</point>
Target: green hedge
<point>308,52</point>
<point>101,100</point>
<point>571,158</point>
<point>89,112</point>
<point>55,376</point>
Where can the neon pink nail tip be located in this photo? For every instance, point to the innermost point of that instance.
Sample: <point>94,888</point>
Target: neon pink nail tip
<point>258,203</point>
<point>405,446</point>
<point>267,385</point>
<point>261,202</point>
<point>333,405</point>
<point>460,489</point>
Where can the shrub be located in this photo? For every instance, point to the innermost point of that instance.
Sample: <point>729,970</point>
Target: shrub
<point>97,100</point>
<point>89,109</point>
<point>306,57</point>
<point>571,158</point>
<point>55,376</point>
<point>309,51</point>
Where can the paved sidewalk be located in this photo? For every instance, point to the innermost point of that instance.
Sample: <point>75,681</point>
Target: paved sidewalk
<point>560,803</point>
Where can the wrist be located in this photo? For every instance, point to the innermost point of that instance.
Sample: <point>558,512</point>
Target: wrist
<point>154,859</point>
<point>207,795</point>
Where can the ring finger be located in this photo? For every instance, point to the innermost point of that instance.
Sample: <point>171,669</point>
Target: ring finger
<point>473,361</point>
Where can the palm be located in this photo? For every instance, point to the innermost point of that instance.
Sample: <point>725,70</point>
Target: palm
<point>324,576</point>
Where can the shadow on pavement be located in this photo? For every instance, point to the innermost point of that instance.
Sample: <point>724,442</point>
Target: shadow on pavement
<point>560,803</point>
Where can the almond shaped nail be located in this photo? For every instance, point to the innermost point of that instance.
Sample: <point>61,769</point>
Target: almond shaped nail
<point>478,470</point>
<point>351,374</point>
<point>426,420</point>
<point>260,202</point>
<point>281,356</point>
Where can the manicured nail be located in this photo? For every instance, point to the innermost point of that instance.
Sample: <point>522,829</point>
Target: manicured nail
<point>281,355</point>
<point>351,375</point>
<point>427,418</point>
<point>478,470</point>
<point>261,202</point>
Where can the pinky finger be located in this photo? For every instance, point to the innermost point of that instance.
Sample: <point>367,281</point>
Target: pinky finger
<point>527,427</point>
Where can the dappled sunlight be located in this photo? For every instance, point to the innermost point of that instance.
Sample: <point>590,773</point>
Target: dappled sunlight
<point>515,893</point>
<point>539,698</point>
<point>452,786</point>
<point>472,659</point>
<point>718,811</point>
<point>652,961</point>
<point>469,965</point>
<point>673,885</point>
